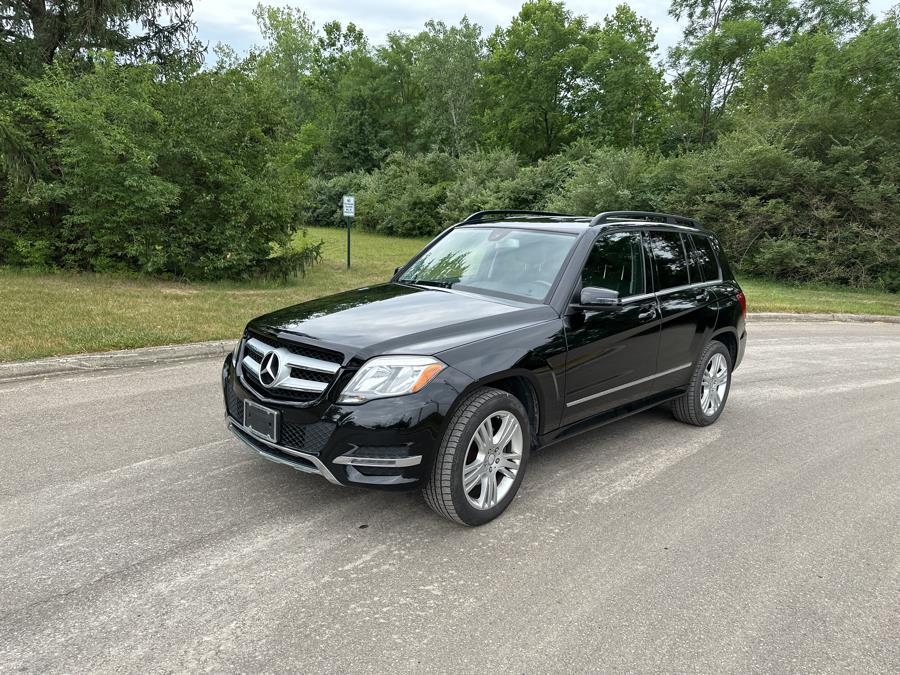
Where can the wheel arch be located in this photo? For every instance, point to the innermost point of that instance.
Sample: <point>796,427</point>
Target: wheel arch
<point>728,337</point>
<point>522,385</point>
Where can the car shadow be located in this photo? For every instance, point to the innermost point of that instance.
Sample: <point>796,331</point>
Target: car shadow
<point>300,495</point>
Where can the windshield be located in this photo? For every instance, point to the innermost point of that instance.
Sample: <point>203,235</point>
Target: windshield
<point>505,261</point>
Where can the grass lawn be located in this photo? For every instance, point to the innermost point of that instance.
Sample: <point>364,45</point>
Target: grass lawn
<point>771,296</point>
<point>52,314</point>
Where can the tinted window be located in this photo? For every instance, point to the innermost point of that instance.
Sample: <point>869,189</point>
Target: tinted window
<point>670,259</point>
<point>706,257</point>
<point>693,265</point>
<point>616,263</point>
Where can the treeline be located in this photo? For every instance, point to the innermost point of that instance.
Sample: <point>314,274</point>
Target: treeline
<point>773,122</point>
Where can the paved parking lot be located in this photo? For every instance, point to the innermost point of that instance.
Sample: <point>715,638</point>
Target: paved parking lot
<point>136,535</point>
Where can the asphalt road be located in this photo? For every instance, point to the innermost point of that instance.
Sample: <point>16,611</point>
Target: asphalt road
<point>135,535</point>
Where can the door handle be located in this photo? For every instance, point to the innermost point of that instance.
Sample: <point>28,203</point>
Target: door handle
<point>647,313</point>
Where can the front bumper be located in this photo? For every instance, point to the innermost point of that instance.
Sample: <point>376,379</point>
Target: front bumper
<point>387,443</point>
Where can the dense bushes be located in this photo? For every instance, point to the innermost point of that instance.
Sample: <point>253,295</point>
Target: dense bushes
<point>780,214</point>
<point>189,177</point>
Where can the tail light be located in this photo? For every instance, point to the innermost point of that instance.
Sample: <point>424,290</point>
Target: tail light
<point>743,300</point>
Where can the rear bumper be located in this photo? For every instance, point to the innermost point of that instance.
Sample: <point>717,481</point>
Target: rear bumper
<point>386,444</point>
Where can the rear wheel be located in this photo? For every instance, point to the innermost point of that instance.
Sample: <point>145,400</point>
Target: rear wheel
<point>708,389</point>
<point>481,461</point>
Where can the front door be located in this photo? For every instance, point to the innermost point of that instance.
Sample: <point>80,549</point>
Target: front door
<point>611,350</point>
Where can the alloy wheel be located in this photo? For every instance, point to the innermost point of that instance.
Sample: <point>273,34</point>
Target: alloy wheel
<point>493,459</point>
<point>714,384</point>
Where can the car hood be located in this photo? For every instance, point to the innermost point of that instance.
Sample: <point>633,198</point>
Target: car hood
<point>399,318</point>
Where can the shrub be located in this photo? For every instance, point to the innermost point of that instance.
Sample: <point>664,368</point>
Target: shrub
<point>479,183</point>
<point>535,185</point>
<point>184,177</point>
<point>286,263</point>
<point>784,215</point>
<point>322,198</point>
<point>405,195</point>
<point>606,180</point>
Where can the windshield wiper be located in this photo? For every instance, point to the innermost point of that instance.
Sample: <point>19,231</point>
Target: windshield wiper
<point>430,282</point>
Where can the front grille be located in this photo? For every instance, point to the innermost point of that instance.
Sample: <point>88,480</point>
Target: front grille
<point>234,404</point>
<point>310,375</point>
<point>309,438</point>
<point>300,349</point>
<point>283,394</point>
<point>307,370</point>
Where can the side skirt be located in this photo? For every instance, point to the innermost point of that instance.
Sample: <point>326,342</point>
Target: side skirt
<point>605,418</point>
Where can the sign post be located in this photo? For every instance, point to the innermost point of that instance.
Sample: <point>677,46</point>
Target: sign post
<point>349,204</point>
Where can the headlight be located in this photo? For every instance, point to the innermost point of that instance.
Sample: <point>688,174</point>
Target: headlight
<point>390,376</point>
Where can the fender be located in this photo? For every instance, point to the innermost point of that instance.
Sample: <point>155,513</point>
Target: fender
<point>535,353</point>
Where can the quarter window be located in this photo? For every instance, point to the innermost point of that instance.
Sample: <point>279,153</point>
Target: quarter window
<point>670,259</point>
<point>616,263</point>
<point>706,257</point>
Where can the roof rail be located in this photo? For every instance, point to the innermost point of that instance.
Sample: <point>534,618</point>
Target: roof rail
<point>479,215</point>
<point>652,216</point>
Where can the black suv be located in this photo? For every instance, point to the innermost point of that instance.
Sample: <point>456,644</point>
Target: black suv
<point>509,331</point>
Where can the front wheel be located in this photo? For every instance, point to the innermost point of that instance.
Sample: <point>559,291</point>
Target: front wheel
<point>703,401</point>
<point>481,461</point>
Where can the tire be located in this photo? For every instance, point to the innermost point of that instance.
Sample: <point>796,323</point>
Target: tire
<point>691,407</point>
<point>460,450</point>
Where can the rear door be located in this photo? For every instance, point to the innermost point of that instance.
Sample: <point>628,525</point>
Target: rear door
<point>611,350</point>
<point>686,305</point>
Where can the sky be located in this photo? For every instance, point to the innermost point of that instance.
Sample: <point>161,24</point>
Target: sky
<point>231,21</point>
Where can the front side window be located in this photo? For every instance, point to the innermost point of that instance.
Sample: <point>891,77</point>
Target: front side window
<point>494,260</point>
<point>616,263</point>
<point>670,259</point>
<point>706,257</point>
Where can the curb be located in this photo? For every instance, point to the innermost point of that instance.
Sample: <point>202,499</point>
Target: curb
<point>144,356</point>
<point>841,318</point>
<point>126,358</point>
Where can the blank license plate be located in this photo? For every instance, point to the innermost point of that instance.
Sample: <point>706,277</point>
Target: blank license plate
<point>261,421</point>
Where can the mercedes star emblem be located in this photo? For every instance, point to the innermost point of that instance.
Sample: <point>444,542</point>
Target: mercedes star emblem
<point>268,368</point>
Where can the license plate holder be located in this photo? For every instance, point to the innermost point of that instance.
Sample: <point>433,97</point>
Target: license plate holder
<point>261,421</point>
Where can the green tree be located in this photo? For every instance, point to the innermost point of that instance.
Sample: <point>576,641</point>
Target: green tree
<point>721,37</point>
<point>287,60</point>
<point>37,32</point>
<point>348,109</point>
<point>398,91</point>
<point>532,78</point>
<point>823,88</point>
<point>718,40</point>
<point>448,69</point>
<point>623,96</point>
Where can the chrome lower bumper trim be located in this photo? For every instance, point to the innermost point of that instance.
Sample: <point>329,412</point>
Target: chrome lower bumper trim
<point>378,461</point>
<point>249,439</point>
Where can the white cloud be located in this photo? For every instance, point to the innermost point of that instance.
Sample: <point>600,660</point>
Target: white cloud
<point>231,21</point>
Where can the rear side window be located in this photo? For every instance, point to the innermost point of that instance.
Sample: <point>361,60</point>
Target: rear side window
<point>706,257</point>
<point>616,262</point>
<point>693,266</point>
<point>670,259</point>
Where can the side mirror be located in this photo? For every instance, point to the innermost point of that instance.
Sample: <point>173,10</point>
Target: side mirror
<point>599,297</point>
<point>396,269</point>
